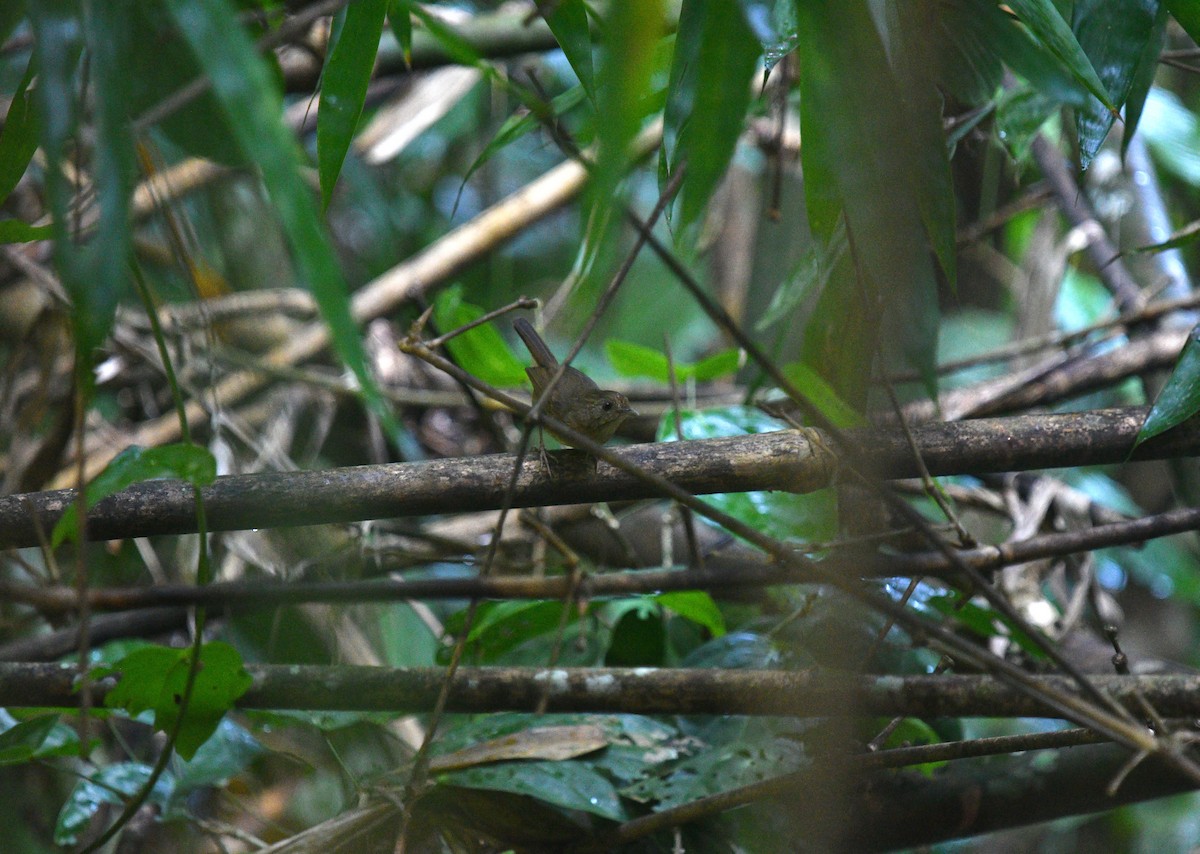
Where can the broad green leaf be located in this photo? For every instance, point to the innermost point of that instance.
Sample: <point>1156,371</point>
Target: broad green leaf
<point>37,735</point>
<point>111,785</point>
<point>480,351</point>
<point>229,751</point>
<point>985,622</point>
<point>1045,22</point>
<point>133,465</point>
<point>749,754</point>
<point>344,80</point>
<point>400,21</point>
<point>697,606</point>
<point>568,21</point>
<point>639,633</point>
<point>18,139</point>
<point>855,122</point>
<point>1179,399</point>
<point>570,784</point>
<point>15,231</point>
<point>1115,34</point>
<point>23,741</point>
<point>154,678</point>
<point>636,360</point>
<point>707,99</point>
<point>499,627</point>
<point>245,90</point>
<point>783,515</point>
<point>721,364</point>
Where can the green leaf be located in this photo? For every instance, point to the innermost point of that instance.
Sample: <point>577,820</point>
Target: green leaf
<point>159,66</point>
<point>1045,22</point>
<point>110,785</point>
<point>23,741</point>
<point>15,231</point>
<point>985,622</point>
<point>697,606</point>
<point>929,152</point>
<point>707,98</point>
<point>519,124</point>
<point>821,395</point>
<point>1143,77</point>
<point>31,737</point>
<point>639,636</point>
<point>1020,115</point>
<point>11,13</point>
<point>981,35</point>
<point>499,627</point>
<point>154,678</point>
<point>774,25</point>
<point>722,364</point>
<point>1173,134</point>
<point>569,784</point>
<point>133,465</point>
<point>481,351</point>
<point>568,21</point>
<point>245,90</point>
<point>866,158</point>
<point>400,20</point>
<point>93,271</point>
<point>783,515</point>
<point>810,276</point>
<point>344,80</point>
<point>753,752</point>
<point>18,140</point>
<point>458,48</point>
<point>632,31</point>
<point>636,360</point>
<point>1187,14</point>
<point>229,751</point>
<point>1115,34</point>
<point>1179,399</point>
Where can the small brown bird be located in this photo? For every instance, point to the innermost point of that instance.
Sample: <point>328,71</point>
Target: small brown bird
<point>575,399</point>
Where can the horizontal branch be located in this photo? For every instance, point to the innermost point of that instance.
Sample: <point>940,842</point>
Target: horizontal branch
<point>786,460</point>
<point>737,575</point>
<point>641,690</point>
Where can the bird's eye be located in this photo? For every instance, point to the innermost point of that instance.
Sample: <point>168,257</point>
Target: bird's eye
<point>607,405</point>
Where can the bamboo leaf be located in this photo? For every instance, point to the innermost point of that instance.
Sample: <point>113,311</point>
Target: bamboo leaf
<point>707,98</point>
<point>344,87</point>
<point>1116,35</point>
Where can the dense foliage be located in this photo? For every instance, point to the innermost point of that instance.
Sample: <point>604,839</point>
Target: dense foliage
<point>280,242</point>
